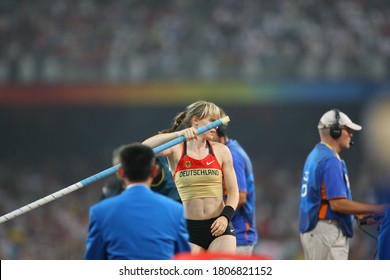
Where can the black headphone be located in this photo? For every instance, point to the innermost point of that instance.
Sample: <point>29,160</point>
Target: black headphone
<point>335,129</point>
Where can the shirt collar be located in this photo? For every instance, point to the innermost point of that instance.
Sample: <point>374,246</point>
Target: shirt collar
<point>135,185</point>
<point>337,155</point>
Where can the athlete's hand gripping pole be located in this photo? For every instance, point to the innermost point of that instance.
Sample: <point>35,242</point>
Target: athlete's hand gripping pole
<point>101,175</point>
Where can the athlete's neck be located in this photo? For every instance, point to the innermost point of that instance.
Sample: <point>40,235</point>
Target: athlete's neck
<point>197,146</point>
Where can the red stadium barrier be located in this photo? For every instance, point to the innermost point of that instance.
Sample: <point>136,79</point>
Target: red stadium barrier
<point>219,256</point>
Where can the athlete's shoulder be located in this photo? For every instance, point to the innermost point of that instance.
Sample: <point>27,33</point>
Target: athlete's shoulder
<point>219,147</point>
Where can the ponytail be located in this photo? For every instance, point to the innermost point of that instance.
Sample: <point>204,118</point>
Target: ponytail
<point>177,121</point>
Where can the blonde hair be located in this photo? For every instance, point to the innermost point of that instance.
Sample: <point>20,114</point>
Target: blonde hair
<point>200,109</point>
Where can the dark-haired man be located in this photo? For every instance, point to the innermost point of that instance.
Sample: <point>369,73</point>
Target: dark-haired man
<point>138,223</point>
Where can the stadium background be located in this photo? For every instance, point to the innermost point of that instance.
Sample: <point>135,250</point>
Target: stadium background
<point>79,78</point>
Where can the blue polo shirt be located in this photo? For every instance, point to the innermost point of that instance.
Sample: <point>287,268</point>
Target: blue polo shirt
<point>244,219</point>
<point>325,177</point>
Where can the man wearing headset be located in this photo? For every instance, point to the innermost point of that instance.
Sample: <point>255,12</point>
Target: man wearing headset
<point>163,182</point>
<point>326,207</point>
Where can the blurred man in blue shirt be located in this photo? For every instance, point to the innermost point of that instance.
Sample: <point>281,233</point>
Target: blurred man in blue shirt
<point>138,223</point>
<point>244,219</point>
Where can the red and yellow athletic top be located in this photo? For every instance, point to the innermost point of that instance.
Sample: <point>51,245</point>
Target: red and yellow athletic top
<point>198,178</point>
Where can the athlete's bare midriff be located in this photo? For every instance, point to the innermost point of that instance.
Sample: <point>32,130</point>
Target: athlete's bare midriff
<point>203,208</point>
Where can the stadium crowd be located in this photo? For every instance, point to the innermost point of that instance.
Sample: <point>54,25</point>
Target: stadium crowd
<point>136,41</point>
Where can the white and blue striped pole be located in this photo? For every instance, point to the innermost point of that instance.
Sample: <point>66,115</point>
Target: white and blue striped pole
<point>101,175</point>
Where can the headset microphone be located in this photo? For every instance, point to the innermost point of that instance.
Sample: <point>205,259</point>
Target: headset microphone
<point>335,129</point>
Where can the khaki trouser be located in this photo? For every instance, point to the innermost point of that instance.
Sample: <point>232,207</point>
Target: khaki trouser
<point>245,249</point>
<point>325,242</point>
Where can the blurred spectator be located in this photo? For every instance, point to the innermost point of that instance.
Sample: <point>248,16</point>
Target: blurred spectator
<point>121,41</point>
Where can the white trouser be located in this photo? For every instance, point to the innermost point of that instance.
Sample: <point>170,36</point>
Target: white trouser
<point>325,242</point>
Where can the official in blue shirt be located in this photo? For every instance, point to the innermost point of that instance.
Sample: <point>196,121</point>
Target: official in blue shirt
<point>137,224</point>
<point>244,219</point>
<point>326,205</point>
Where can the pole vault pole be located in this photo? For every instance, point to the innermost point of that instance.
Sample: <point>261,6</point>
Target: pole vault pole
<point>101,175</point>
